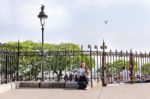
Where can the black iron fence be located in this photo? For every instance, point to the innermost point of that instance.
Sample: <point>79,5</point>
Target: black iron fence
<point>16,65</point>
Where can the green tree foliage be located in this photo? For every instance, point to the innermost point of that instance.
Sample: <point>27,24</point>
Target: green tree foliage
<point>57,57</point>
<point>116,67</point>
<point>146,69</point>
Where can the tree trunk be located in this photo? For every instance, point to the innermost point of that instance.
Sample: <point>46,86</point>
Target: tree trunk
<point>59,75</point>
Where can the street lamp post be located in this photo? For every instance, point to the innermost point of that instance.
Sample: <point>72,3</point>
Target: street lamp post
<point>42,16</point>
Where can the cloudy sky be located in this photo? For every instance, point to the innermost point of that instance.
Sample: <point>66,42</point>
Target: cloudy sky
<point>79,21</point>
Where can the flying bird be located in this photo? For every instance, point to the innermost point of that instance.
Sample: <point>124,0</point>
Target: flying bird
<point>105,21</point>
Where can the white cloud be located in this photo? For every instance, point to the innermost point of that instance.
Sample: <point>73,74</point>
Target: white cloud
<point>84,4</point>
<point>4,10</point>
<point>73,20</point>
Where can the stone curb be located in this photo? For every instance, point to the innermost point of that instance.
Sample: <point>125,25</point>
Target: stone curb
<point>26,84</point>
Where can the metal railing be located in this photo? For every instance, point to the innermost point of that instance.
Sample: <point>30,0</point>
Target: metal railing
<point>104,65</point>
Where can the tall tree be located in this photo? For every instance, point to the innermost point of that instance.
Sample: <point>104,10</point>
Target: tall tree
<point>58,58</point>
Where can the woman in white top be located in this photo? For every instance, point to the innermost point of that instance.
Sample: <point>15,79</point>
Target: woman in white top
<point>81,70</point>
<point>83,73</point>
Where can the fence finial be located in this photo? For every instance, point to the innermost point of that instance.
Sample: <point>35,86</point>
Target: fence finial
<point>103,41</point>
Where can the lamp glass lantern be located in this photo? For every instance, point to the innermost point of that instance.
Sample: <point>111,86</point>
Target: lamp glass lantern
<point>42,16</point>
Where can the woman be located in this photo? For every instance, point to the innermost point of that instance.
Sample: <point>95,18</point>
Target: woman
<point>83,72</point>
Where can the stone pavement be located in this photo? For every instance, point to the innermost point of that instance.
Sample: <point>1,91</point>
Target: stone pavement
<point>122,91</point>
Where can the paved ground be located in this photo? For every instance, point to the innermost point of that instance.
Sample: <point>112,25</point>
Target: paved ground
<point>135,91</point>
